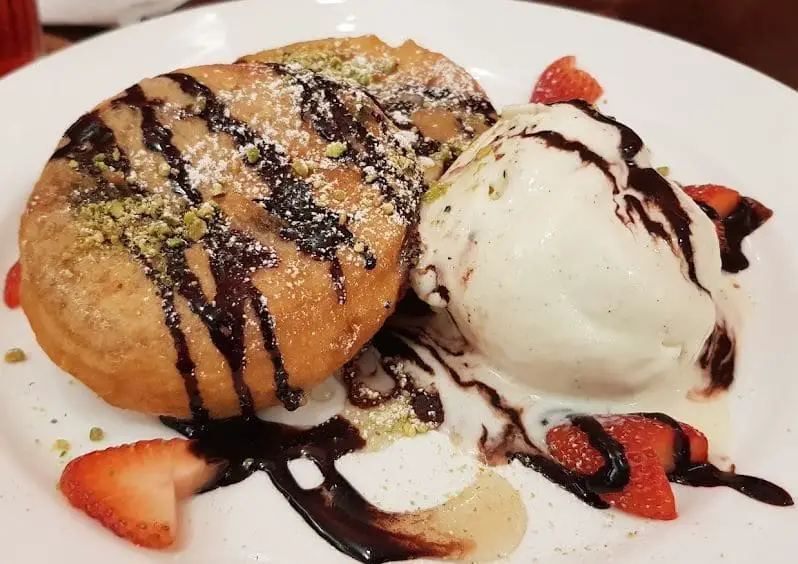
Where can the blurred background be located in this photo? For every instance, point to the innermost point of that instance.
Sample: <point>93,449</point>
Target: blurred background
<point>759,33</point>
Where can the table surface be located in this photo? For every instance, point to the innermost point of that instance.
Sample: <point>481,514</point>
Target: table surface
<point>759,33</point>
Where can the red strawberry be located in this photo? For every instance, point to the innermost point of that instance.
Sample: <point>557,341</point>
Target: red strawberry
<point>649,448</point>
<point>11,290</point>
<point>563,81</point>
<point>720,198</point>
<point>133,489</point>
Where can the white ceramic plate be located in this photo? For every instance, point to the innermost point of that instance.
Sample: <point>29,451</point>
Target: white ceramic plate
<point>708,118</point>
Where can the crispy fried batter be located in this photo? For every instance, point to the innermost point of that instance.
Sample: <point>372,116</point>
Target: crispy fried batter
<point>224,222</point>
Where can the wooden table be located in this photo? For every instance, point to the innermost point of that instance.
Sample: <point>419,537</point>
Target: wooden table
<point>759,33</point>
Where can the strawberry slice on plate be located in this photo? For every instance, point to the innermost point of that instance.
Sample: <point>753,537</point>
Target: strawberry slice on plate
<point>720,198</point>
<point>133,489</point>
<point>563,80</point>
<point>11,288</point>
<point>650,448</point>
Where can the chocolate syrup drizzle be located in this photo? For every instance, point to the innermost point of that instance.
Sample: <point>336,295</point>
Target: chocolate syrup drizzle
<point>393,351</point>
<point>614,476</point>
<point>334,509</point>
<point>718,358</point>
<point>746,218</point>
<point>322,107</point>
<point>655,190</point>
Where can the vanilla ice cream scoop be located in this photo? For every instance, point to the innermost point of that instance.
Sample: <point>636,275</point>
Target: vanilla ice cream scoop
<point>565,259</point>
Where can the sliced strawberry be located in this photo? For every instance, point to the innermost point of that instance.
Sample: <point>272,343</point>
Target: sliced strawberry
<point>563,81</point>
<point>11,289</point>
<point>720,198</point>
<point>649,446</point>
<point>133,489</point>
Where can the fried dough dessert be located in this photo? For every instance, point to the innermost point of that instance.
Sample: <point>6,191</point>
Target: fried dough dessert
<point>439,105</point>
<point>220,238</point>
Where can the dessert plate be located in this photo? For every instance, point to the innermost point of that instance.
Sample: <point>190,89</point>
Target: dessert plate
<point>707,118</point>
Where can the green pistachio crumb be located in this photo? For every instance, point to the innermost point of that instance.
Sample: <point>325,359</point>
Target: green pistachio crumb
<point>73,164</point>
<point>200,104</point>
<point>164,169</point>
<point>206,210</point>
<point>174,242</point>
<point>389,65</point>
<point>435,191</point>
<point>387,208</point>
<point>217,189</point>
<point>301,168</point>
<point>99,158</point>
<point>96,434</point>
<point>197,230</point>
<point>116,209</point>
<point>116,155</point>
<point>189,217</point>
<point>335,149</point>
<point>15,355</point>
<point>61,446</point>
<point>338,195</point>
<point>253,155</point>
<point>663,170</point>
<point>101,166</point>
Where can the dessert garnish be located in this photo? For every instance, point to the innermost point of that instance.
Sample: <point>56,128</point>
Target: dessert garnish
<point>563,81</point>
<point>134,490</point>
<point>15,355</point>
<point>11,287</point>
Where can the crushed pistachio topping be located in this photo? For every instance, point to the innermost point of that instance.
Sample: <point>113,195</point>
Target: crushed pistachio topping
<point>200,104</point>
<point>148,223</point>
<point>61,446</point>
<point>73,164</point>
<point>164,169</point>
<point>387,208</point>
<point>115,154</point>
<point>335,149</point>
<point>15,355</point>
<point>96,434</point>
<point>338,195</point>
<point>253,154</point>
<point>359,68</point>
<point>664,170</point>
<point>389,422</point>
<point>435,191</point>
<point>301,168</point>
<point>217,189</point>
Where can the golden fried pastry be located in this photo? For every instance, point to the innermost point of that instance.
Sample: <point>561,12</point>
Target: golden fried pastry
<point>216,239</point>
<point>438,103</point>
